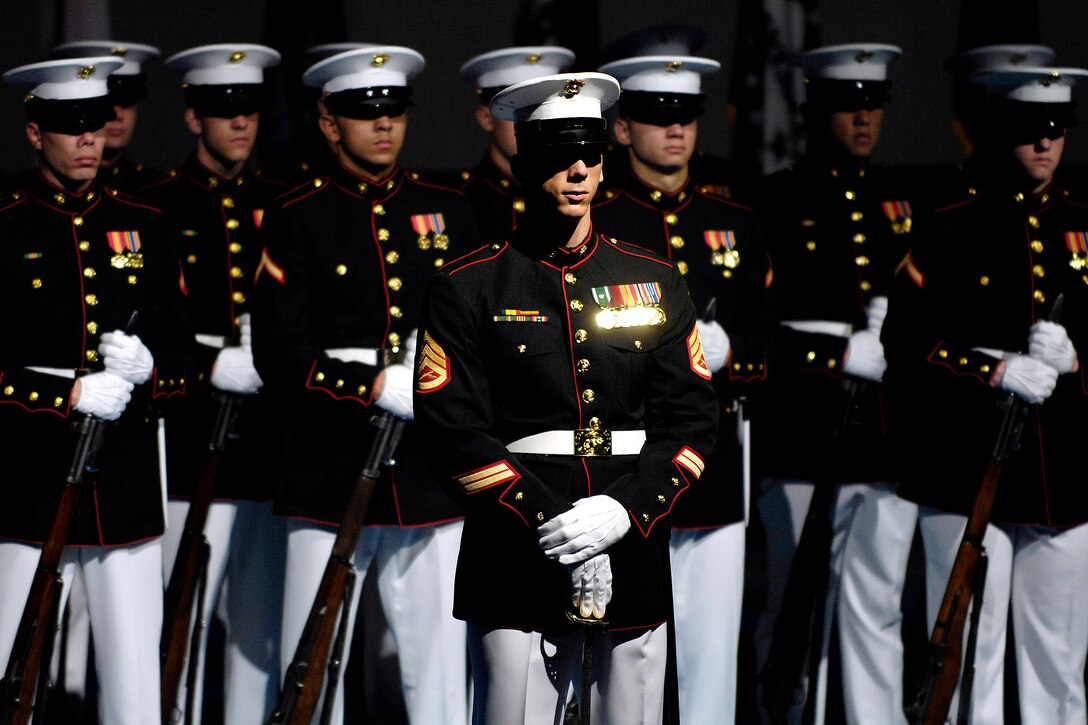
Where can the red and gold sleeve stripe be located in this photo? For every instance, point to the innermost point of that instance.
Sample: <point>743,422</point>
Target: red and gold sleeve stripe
<point>486,477</point>
<point>691,461</point>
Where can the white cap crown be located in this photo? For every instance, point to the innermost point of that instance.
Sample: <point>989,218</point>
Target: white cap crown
<point>373,66</point>
<point>223,64</point>
<point>507,66</point>
<point>852,62</point>
<point>133,55</point>
<point>565,95</point>
<point>67,79</point>
<point>662,73</point>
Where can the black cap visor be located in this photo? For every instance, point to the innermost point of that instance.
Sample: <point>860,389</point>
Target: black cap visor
<point>225,101</point>
<point>559,143</point>
<point>367,104</point>
<point>127,91</point>
<point>70,117</point>
<point>662,109</point>
<point>1024,122</point>
<point>837,96</point>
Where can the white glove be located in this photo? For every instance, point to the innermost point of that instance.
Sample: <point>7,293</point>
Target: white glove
<point>591,586</point>
<point>126,357</point>
<point>396,396</point>
<point>865,356</point>
<point>103,395</point>
<point>233,371</point>
<point>1048,342</point>
<point>715,344</point>
<point>876,312</point>
<point>593,525</point>
<point>1028,378</point>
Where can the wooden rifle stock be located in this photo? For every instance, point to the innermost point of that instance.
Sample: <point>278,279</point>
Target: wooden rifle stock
<point>31,651</point>
<point>301,689</point>
<point>934,698</point>
<point>191,562</point>
<point>798,628</point>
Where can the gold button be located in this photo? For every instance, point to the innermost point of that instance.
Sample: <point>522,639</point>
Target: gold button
<point>861,260</point>
<point>736,366</point>
<point>588,395</point>
<point>810,246</point>
<point>394,283</point>
<point>395,312</point>
<point>962,361</point>
<point>1045,198</point>
<point>661,499</point>
<point>522,348</point>
<point>341,269</point>
<point>1038,271</point>
<point>362,188</point>
<point>228,202</point>
<point>57,402</point>
<point>984,280</point>
<point>36,283</point>
<point>236,272</point>
<point>682,267</point>
<point>78,221</point>
<point>675,481</point>
<point>582,365</point>
<point>865,285</point>
<point>576,305</point>
<point>318,183</point>
<point>92,327</point>
<point>339,383</point>
<point>191,259</point>
<point>1039,296</point>
<point>379,209</point>
<point>569,278</point>
<point>645,517</point>
<point>92,355</point>
<point>942,354</point>
<point>392,256</point>
<point>235,247</point>
<point>362,389</point>
<point>519,496</point>
<point>504,183</point>
<point>8,390</point>
<point>849,195</point>
<point>59,198</point>
<point>638,344</point>
<point>232,223</point>
<point>213,182</point>
<point>539,515</point>
<point>859,238</point>
<point>438,261</point>
<point>238,297</point>
<point>670,219</point>
<point>984,368</point>
<point>810,355</point>
<point>831,363</point>
<point>856,216</point>
<point>91,300</point>
<point>580,336</point>
<point>84,246</point>
<point>1034,222</point>
<point>392,183</point>
<point>383,235</point>
<point>394,339</point>
<point>683,195</point>
<point>33,396</point>
<point>519,206</point>
<point>594,423</point>
<point>1036,245</point>
<point>655,195</point>
<point>319,377</point>
<point>1018,197</point>
<point>132,279</point>
<point>676,241</point>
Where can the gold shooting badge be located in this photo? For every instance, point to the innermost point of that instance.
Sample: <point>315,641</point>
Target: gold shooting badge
<point>629,305</point>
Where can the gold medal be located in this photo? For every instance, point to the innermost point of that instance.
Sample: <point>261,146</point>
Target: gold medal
<point>1078,262</point>
<point>441,241</point>
<point>732,258</point>
<point>717,259</point>
<point>118,261</point>
<point>135,260</point>
<point>424,242</point>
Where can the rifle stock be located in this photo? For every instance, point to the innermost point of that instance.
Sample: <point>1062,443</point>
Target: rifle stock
<point>37,627</point>
<point>301,689</point>
<point>190,564</point>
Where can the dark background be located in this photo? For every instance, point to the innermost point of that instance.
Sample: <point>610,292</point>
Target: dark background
<point>442,132</point>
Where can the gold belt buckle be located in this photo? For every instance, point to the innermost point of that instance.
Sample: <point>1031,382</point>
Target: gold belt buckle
<point>592,442</point>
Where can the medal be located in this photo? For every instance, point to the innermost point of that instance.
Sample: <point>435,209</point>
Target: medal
<point>118,261</point>
<point>424,242</point>
<point>441,241</point>
<point>732,258</point>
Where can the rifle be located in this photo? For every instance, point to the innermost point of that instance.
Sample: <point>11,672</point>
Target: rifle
<point>27,672</point>
<point>188,578</point>
<point>934,698</point>
<point>301,689</point>
<point>798,628</point>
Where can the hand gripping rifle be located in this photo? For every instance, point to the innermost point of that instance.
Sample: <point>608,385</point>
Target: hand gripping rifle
<point>27,674</point>
<point>301,689</point>
<point>798,630</point>
<point>185,592</point>
<point>934,698</point>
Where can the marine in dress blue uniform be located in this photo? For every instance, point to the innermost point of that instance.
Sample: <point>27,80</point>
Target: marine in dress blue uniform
<point>562,382</point>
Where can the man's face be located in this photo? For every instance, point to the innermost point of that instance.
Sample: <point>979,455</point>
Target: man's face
<point>500,132</point>
<point>1040,159</point>
<point>367,145</point>
<point>67,160</point>
<point>120,130</point>
<point>228,140</point>
<point>856,132</point>
<point>664,148</point>
<point>570,190</point>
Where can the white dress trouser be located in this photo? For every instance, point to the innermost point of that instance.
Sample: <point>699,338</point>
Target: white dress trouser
<point>872,529</point>
<point>708,588</point>
<point>415,581</point>
<point>525,678</point>
<point>1043,573</point>
<point>124,600</point>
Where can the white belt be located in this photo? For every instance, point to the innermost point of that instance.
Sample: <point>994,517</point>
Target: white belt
<point>364,355</point>
<point>217,341</point>
<point>821,327</point>
<point>58,372</point>
<point>562,443</point>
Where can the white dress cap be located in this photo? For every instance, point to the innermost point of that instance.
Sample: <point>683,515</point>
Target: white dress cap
<point>134,55</point>
<point>317,53</point>
<point>566,95</point>
<point>224,64</point>
<point>1031,85</point>
<point>661,73</point>
<point>373,66</point>
<point>986,57</point>
<point>68,79</point>
<point>507,66</point>
<point>853,62</point>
